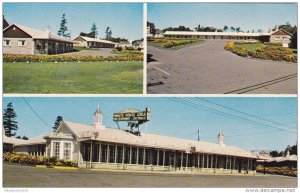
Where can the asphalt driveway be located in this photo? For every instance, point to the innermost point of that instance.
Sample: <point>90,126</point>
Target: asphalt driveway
<point>24,176</point>
<point>208,68</point>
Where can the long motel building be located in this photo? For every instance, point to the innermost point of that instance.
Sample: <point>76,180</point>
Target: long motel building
<point>279,35</point>
<point>96,146</point>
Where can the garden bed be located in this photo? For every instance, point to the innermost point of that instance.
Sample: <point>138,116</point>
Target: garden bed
<point>65,58</point>
<point>174,43</point>
<point>266,51</point>
<point>32,160</point>
<point>278,170</point>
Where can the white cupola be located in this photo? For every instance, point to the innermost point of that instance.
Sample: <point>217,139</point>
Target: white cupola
<point>98,118</point>
<point>221,138</point>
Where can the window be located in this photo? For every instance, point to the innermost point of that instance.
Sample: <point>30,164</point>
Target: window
<point>112,149</point>
<point>133,155</point>
<point>6,42</point>
<point>56,149</point>
<point>103,153</point>
<point>22,43</point>
<point>119,154</point>
<point>67,150</point>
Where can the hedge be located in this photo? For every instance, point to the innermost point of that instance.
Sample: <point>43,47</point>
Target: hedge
<point>36,160</point>
<point>269,52</point>
<point>172,42</point>
<point>57,58</point>
<point>278,170</point>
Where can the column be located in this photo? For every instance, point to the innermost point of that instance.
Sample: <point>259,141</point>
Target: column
<point>91,153</point>
<point>181,159</point>
<point>164,157</point>
<point>203,161</point>
<point>130,154</point>
<point>123,156</point>
<point>187,159</point>
<point>116,152</point>
<point>157,157</point>
<point>212,161</point>
<point>198,160</point>
<point>99,152</point>
<point>234,163</point>
<point>144,156</point>
<point>216,164</point>
<point>229,162</point>
<point>137,155</point>
<point>107,153</point>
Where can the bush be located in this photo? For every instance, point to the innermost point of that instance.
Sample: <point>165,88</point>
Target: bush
<point>129,48</point>
<point>119,49</point>
<point>57,58</point>
<point>273,43</point>
<point>36,160</point>
<point>271,52</point>
<point>278,170</point>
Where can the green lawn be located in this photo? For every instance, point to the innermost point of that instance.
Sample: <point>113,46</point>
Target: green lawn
<point>71,77</point>
<point>250,47</point>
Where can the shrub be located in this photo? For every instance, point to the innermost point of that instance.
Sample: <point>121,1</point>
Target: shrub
<point>270,52</point>
<point>119,49</point>
<point>273,43</point>
<point>278,170</point>
<point>57,58</point>
<point>36,160</point>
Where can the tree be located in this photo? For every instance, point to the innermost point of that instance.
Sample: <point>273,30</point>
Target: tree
<point>293,43</point>
<point>238,29</point>
<point>232,29</point>
<point>274,153</point>
<point>25,138</point>
<point>57,122</point>
<point>63,28</point>
<point>108,33</point>
<point>259,31</point>
<point>225,28</point>
<point>94,31</point>
<point>9,121</point>
<point>152,28</point>
<point>198,28</point>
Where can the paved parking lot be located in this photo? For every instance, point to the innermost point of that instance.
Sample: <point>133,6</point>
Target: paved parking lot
<point>24,176</point>
<point>207,68</point>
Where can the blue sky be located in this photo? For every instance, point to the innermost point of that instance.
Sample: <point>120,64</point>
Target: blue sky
<point>172,117</point>
<point>247,16</point>
<point>124,19</point>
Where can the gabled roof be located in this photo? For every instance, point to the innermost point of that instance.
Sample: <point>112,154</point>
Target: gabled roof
<point>39,34</point>
<point>282,31</point>
<point>215,33</point>
<point>153,140</point>
<point>11,140</point>
<point>88,39</point>
<point>33,141</point>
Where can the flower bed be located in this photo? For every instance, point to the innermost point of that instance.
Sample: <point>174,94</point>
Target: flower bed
<point>173,42</point>
<point>270,52</point>
<point>36,160</point>
<point>57,58</point>
<point>278,170</point>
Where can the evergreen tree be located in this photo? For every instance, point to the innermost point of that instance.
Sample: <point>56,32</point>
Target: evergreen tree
<point>57,122</point>
<point>94,30</point>
<point>25,138</point>
<point>9,121</point>
<point>63,28</point>
<point>293,43</point>
<point>225,28</point>
<point>108,33</point>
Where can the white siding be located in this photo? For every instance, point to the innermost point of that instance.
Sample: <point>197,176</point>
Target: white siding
<point>14,48</point>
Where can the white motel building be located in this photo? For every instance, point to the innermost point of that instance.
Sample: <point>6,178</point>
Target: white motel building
<point>279,35</point>
<point>96,146</point>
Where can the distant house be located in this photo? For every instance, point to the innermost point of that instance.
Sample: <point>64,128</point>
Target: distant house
<point>19,39</point>
<point>89,42</point>
<point>124,44</point>
<point>138,44</point>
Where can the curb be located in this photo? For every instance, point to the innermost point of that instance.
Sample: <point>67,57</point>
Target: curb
<point>57,167</point>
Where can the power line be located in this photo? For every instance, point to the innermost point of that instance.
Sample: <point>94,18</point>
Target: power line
<point>40,118</point>
<point>245,113</point>
<point>232,115</point>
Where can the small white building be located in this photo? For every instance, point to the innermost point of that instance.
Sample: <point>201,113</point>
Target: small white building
<point>88,42</point>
